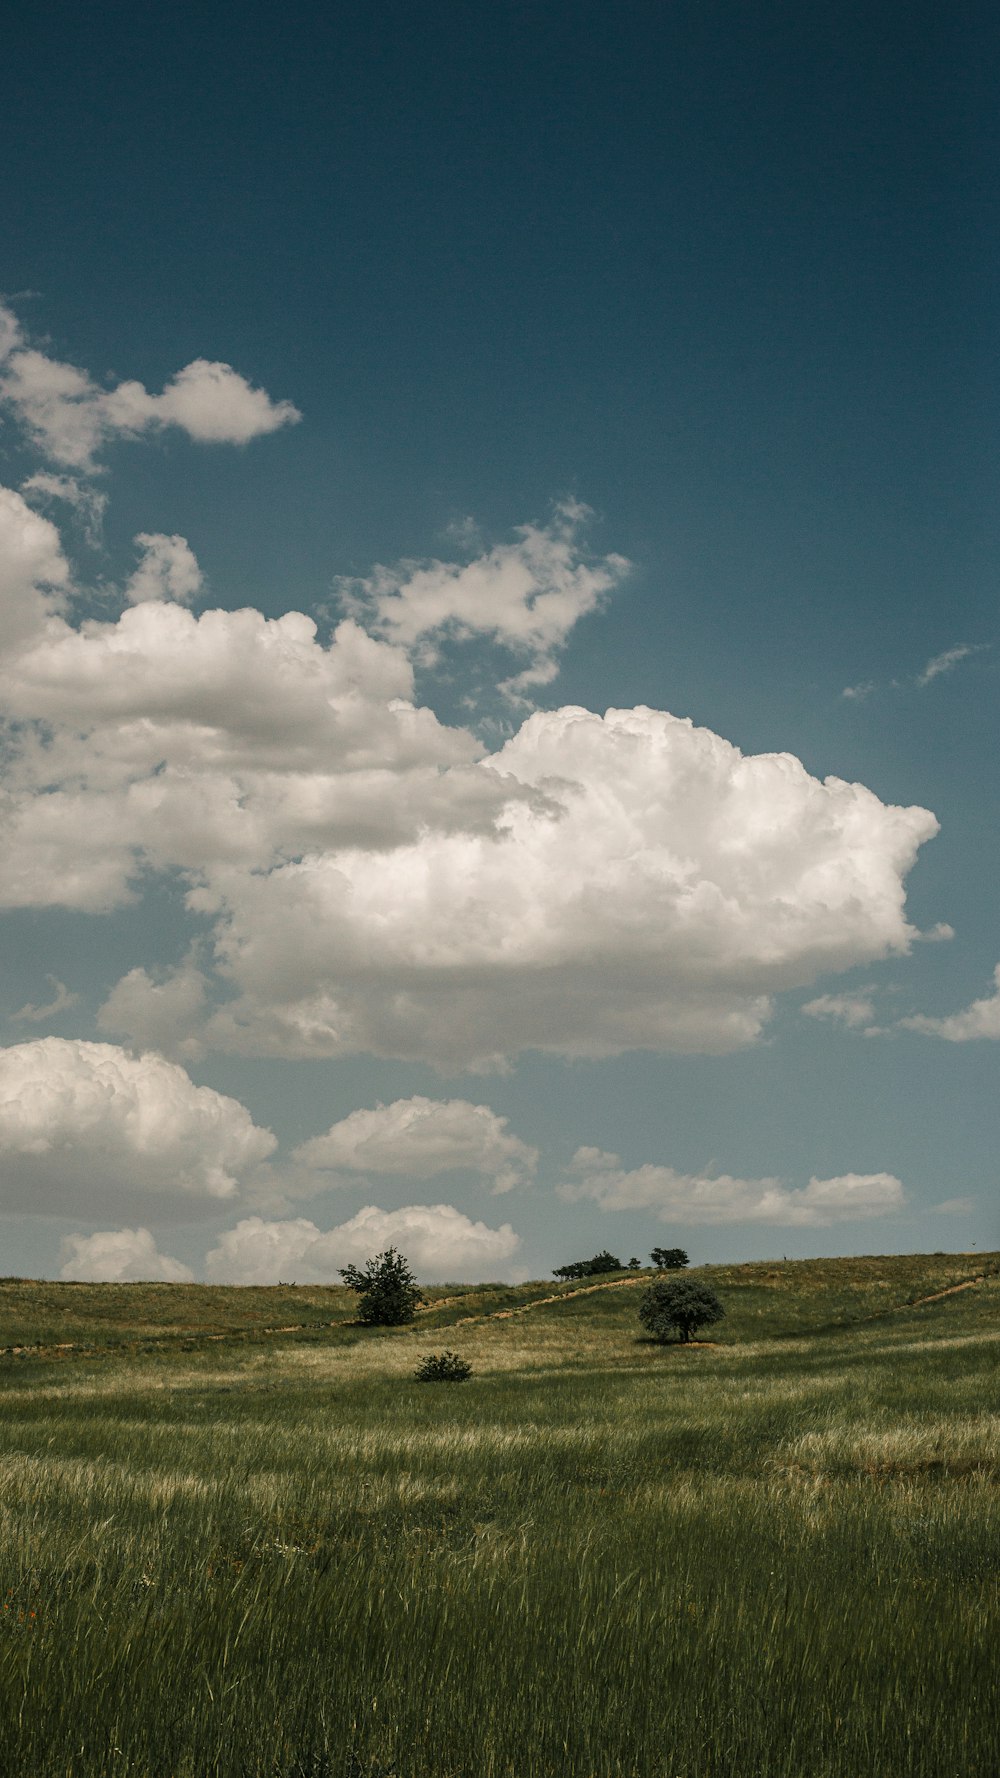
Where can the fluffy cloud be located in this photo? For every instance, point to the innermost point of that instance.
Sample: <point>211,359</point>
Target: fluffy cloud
<point>120,1256</point>
<point>596,885</point>
<point>981,1019</point>
<point>168,569</point>
<point>526,595</point>
<point>420,1138</point>
<point>172,741</point>
<point>165,1015</point>
<point>438,1240</point>
<point>689,1198</point>
<point>69,417</point>
<point>89,1124</point>
<point>34,573</point>
<point>677,886</point>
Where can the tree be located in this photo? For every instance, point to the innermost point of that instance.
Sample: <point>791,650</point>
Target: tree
<point>668,1259</point>
<point>388,1291</point>
<point>679,1305</point>
<point>586,1268</point>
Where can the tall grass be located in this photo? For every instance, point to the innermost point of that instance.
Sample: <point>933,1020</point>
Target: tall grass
<point>597,1559</point>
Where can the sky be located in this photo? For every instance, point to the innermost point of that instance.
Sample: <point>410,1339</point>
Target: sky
<point>499,652</point>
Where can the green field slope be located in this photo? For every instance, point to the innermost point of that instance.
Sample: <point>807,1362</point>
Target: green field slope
<point>239,1539</point>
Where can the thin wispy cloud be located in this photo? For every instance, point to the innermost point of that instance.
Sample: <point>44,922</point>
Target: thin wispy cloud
<point>936,667</point>
<point>948,660</point>
<point>61,1000</point>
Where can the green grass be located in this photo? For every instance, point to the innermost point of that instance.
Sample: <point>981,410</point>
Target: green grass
<point>276,1555</point>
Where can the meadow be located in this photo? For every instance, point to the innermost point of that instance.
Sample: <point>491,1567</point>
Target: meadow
<point>239,1540</point>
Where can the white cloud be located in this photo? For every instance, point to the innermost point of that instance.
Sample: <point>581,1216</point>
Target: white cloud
<point>689,1198</point>
<point>69,417</point>
<point>171,741</point>
<point>598,884</point>
<point>87,1124</point>
<point>34,573</point>
<point>420,1138</point>
<point>954,1207</point>
<point>947,661</point>
<point>858,693</point>
<point>168,569</point>
<point>11,336</point>
<point>526,595</point>
<point>678,887</point>
<point>120,1256</point>
<point>854,1010</point>
<point>981,1019</point>
<point>164,1015</point>
<point>438,1240</point>
<point>61,1000</point>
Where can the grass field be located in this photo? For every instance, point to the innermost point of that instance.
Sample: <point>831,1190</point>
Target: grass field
<point>238,1539</point>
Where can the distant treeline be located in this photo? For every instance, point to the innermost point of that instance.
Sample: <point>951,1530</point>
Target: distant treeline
<point>665,1259</point>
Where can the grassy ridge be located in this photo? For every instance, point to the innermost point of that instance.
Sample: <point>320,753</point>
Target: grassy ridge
<point>777,1555</point>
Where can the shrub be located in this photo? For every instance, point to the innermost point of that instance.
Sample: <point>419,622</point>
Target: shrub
<point>679,1305</point>
<point>388,1290</point>
<point>668,1259</point>
<point>442,1367</point>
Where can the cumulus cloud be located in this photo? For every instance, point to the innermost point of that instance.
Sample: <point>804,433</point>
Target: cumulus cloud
<point>61,1000</point>
<point>526,595</point>
<point>597,884</point>
<point>87,1124</point>
<point>174,742</point>
<point>34,573</point>
<point>856,1011</point>
<point>690,1198</point>
<point>165,1014</point>
<point>168,569</point>
<point>678,886</point>
<point>438,1240</point>
<point>68,416</point>
<point>420,1138</point>
<point>120,1256</point>
<point>981,1019</point>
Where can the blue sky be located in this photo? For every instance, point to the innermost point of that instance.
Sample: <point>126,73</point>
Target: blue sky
<point>548,360</point>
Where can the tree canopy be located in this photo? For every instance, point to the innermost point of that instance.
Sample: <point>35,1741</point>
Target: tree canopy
<point>388,1290</point>
<point>668,1259</point>
<point>586,1268</point>
<point>679,1306</point>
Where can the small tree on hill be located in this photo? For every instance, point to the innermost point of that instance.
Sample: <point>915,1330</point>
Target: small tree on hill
<point>679,1306</point>
<point>388,1291</point>
<point>669,1259</point>
<point>586,1268</point>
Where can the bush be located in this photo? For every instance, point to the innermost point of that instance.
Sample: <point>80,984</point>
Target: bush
<point>679,1306</point>
<point>587,1268</point>
<point>388,1290</point>
<point>668,1259</point>
<point>442,1367</point>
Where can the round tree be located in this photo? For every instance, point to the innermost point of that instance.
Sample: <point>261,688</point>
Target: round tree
<point>388,1291</point>
<point>679,1306</point>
